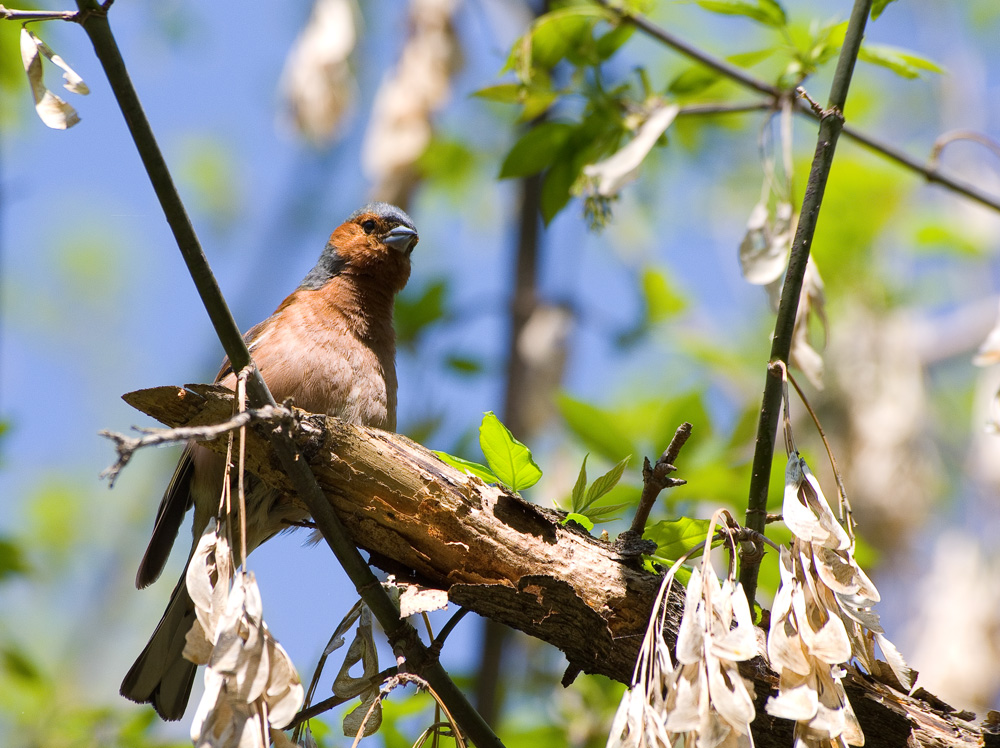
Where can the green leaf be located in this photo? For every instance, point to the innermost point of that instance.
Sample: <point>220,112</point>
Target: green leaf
<point>12,560</point>
<point>505,93</point>
<point>464,364</point>
<point>560,33</point>
<point>663,300</point>
<point>947,238</point>
<point>422,430</point>
<point>685,406</point>
<point>469,467</point>
<point>610,42</point>
<point>693,80</point>
<point>596,428</point>
<point>449,162</point>
<point>595,512</point>
<point>697,78</point>
<point>775,11</point>
<point>751,58</point>
<point>606,482</point>
<point>826,43</point>
<point>600,513</point>
<point>878,6</point>
<point>536,150</point>
<point>18,664</point>
<point>536,101</point>
<point>416,311</point>
<point>580,486</point>
<point>768,12</point>
<point>556,188</point>
<point>509,459</point>
<point>580,519</point>
<point>675,537</point>
<point>899,61</point>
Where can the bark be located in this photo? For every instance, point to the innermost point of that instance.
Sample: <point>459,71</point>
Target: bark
<point>514,562</point>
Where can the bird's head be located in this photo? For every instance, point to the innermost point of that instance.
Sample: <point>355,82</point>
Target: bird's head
<point>375,240</point>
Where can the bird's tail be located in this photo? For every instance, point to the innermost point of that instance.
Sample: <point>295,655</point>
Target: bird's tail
<point>161,676</point>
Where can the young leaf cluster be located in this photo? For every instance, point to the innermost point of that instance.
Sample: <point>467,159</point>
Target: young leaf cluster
<point>583,499</point>
<point>563,56</point>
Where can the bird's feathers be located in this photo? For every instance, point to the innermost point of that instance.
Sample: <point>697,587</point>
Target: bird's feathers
<point>330,346</point>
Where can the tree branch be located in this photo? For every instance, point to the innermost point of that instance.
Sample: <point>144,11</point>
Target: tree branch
<point>657,477</point>
<point>401,635</point>
<point>930,172</point>
<point>515,562</point>
<point>831,124</point>
<point>520,393</point>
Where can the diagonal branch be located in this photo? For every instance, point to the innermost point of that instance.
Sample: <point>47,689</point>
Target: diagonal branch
<point>929,171</point>
<point>402,636</point>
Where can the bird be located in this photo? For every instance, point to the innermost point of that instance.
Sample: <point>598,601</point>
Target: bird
<point>330,347</point>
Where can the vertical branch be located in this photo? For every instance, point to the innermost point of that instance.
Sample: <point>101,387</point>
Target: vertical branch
<point>523,303</point>
<point>831,124</point>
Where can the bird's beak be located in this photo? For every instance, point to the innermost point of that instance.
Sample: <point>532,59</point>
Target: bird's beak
<point>402,239</point>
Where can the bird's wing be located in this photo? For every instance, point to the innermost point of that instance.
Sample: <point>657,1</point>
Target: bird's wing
<point>250,337</point>
<point>173,506</point>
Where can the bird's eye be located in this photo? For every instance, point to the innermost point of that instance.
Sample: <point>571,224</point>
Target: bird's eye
<point>368,226</point>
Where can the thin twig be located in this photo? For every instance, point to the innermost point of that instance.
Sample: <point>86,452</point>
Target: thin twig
<point>953,136</point>
<point>657,477</point>
<point>845,505</point>
<point>814,105</point>
<point>127,446</point>
<point>402,679</point>
<point>724,68</point>
<point>831,125</point>
<point>328,704</point>
<point>438,643</point>
<point>518,385</point>
<point>241,404</point>
<point>929,171</point>
<point>723,108</point>
<point>331,647</point>
<point>225,510</point>
<point>931,174</point>
<point>37,15</point>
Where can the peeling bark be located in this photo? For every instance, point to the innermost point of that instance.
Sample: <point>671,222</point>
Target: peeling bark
<point>512,561</point>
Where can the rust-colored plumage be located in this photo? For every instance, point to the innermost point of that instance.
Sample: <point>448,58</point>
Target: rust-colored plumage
<point>331,347</point>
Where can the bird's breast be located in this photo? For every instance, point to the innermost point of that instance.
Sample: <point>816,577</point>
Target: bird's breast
<point>318,362</point>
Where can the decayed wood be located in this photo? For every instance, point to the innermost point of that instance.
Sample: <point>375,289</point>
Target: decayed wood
<point>510,560</point>
<point>495,553</point>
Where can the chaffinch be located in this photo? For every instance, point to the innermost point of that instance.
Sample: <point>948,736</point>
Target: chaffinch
<point>330,346</point>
